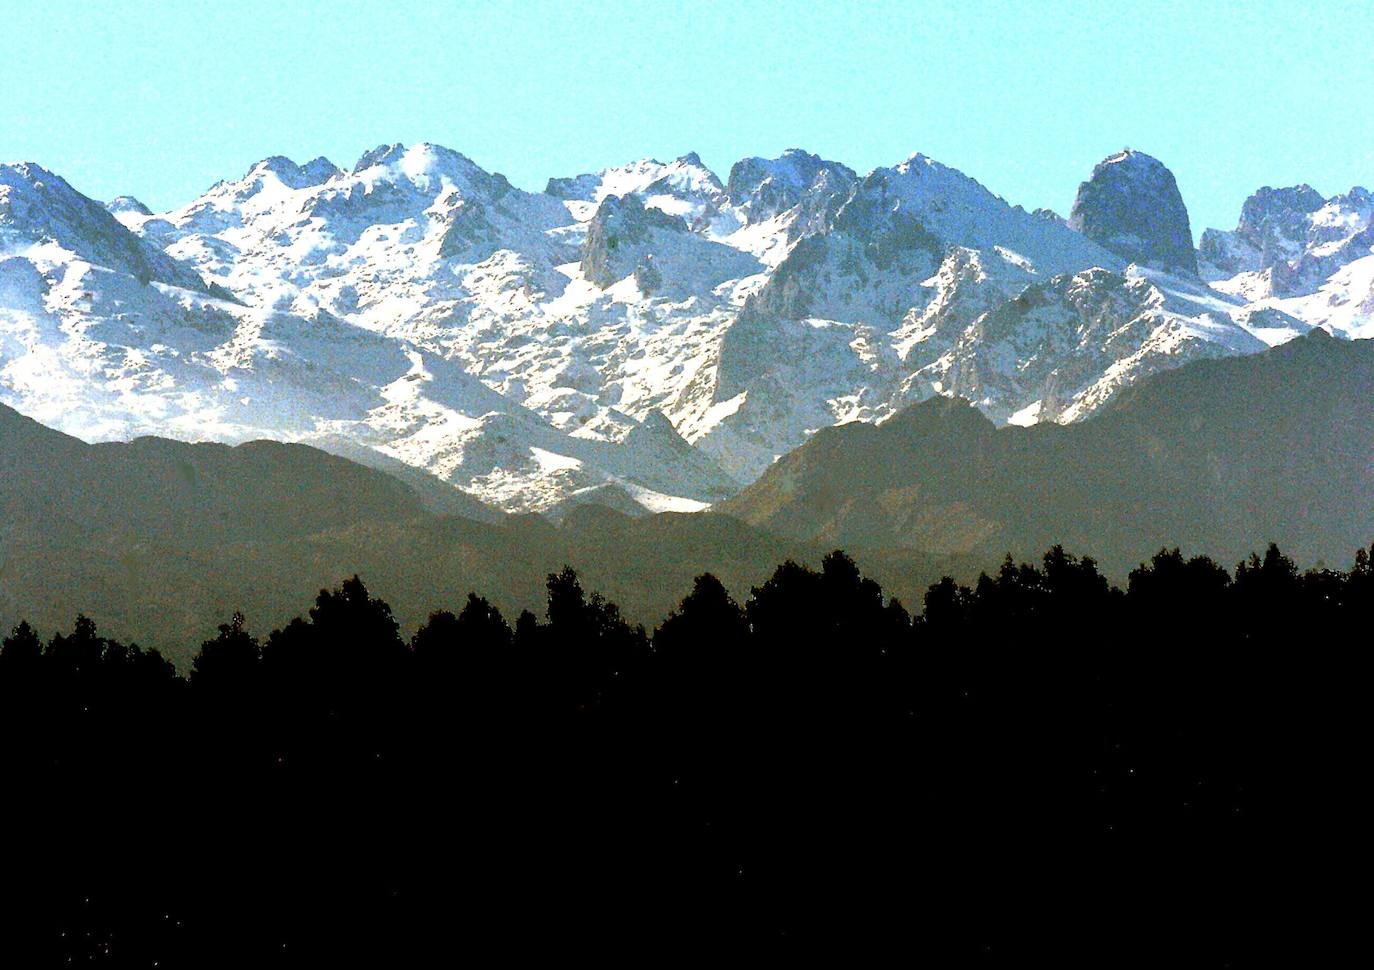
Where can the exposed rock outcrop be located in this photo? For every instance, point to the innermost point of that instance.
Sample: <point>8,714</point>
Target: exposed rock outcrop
<point>619,238</point>
<point>1131,206</point>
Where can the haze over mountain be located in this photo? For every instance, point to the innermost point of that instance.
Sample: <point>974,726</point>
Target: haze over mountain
<point>649,335</point>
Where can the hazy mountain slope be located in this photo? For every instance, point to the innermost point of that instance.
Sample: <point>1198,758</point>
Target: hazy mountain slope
<point>1217,456</point>
<point>157,491</point>
<point>160,541</point>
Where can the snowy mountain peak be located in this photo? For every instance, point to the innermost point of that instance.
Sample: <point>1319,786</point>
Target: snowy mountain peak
<point>127,203</point>
<point>1307,256</point>
<point>642,332</point>
<point>766,187</point>
<point>381,155</point>
<point>683,187</point>
<point>1131,205</point>
<point>428,167</point>
<point>40,210</point>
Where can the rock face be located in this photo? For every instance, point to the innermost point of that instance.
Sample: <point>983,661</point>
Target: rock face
<point>1062,342</point>
<point>1278,217</point>
<point>620,238</point>
<point>1131,206</point>
<point>1293,239</point>
<point>1273,223</point>
<point>768,187</point>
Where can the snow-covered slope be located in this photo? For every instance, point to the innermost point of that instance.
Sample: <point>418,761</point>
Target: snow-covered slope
<point>342,277</point>
<point>1302,254</point>
<point>1293,228</point>
<point>40,211</point>
<point>645,334</point>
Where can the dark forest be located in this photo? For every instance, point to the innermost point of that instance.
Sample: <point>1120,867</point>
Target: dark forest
<point>1038,764</point>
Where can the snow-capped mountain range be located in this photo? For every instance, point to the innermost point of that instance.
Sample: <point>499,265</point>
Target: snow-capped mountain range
<point>646,336</point>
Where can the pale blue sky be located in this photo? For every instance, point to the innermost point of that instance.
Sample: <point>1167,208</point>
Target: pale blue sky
<point>162,99</point>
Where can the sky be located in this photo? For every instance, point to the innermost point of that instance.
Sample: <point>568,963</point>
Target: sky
<point>162,99</point>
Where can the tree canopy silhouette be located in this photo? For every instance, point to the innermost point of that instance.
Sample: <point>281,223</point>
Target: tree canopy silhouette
<point>1029,766</point>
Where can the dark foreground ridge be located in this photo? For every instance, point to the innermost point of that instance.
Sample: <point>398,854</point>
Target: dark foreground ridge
<point>1040,765</point>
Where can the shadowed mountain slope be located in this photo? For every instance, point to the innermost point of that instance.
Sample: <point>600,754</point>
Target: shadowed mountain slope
<point>57,489</point>
<point>161,541</point>
<point>1217,456</point>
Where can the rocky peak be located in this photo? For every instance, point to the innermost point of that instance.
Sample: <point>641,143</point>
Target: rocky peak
<point>1358,197</point>
<point>265,175</point>
<point>381,155</point>
<point>1294,235</point>
<point>314,172</point>
<point>320,169</point>
<point>1272,229</point>
<point>1271,208</point>
<point>1131,206</point>
<point>768,186</point>
<point>577,187</point>
<point>127,203</point>
<point>37,205</point>
<point>619,237</point>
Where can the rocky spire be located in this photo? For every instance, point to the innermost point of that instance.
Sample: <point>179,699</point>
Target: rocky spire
<point>1132,207</point>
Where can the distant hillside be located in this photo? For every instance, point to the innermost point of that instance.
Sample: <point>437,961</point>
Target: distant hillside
<point>159,541</point>
<point>1218,456</point>
<point>56,489</point>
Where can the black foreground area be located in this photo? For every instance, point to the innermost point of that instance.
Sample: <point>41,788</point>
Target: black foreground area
<point>1039,768</point>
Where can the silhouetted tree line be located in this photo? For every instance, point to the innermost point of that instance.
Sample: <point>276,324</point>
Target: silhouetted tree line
<point>1038,763</point>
